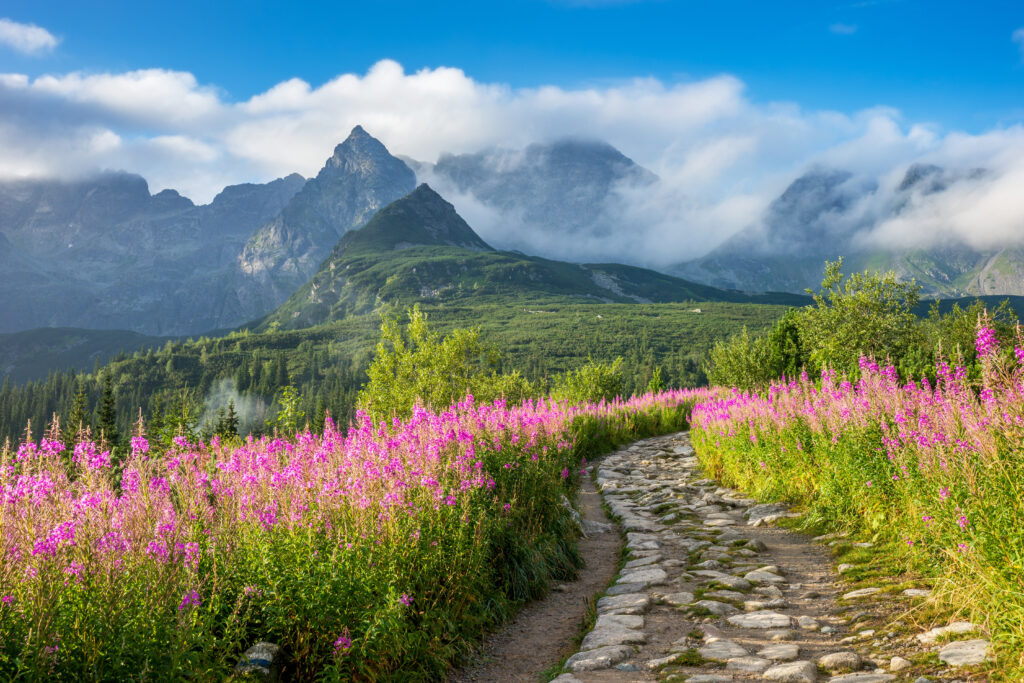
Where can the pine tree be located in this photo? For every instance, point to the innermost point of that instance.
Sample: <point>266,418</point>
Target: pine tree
<point>106,414</point>
<point>78,418</point>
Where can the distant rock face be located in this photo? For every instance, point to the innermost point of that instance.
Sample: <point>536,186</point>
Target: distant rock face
<point>360,178</point>
<point>567,187</point>
<point>104,252</point>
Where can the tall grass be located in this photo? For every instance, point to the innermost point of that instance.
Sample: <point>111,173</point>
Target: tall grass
<point>380,554</point>
<point>937,471</point>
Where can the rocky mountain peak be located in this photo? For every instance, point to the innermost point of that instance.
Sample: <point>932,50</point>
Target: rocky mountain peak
<point>361,153</point>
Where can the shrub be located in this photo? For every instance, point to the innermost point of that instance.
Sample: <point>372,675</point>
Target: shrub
<point>591,383</point>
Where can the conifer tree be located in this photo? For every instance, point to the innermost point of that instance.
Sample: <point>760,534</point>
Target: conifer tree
<point>78,418</point>
<point>106,413</point>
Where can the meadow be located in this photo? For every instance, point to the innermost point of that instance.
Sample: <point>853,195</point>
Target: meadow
<point>930,471</point>
<point>378,554</point>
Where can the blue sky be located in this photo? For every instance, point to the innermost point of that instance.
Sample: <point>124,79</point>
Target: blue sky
<point>949,62</point>
<point>727,102</point>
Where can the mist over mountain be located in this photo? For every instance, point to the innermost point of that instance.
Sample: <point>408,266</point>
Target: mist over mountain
<point>827,213</point>
<point>419,248</point>
<point>563,199</point>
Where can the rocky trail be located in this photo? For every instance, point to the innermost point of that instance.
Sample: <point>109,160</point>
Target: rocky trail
<point>713,592</point>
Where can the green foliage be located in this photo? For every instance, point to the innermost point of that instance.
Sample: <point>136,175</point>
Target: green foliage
<point>865,314</point>
<point>79,420</point>
<point>540,337</point>
<point>655,384</point>
<point>595,381</point>
<point>227,421</point>
<point>290,417</point>
<point>739,361</point>
<point>106,413</point>
<point>416,365</point>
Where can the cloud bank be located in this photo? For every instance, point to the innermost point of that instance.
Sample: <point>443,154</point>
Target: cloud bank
<point>721,156</point>
<point>28,39</point>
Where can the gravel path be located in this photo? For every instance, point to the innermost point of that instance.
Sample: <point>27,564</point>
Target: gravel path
<point>713,593</point>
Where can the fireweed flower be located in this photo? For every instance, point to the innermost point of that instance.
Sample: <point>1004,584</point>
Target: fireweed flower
<point>405,599</point>
<point>342,645</point>
<point>190,599</point>
<point>986,342</point>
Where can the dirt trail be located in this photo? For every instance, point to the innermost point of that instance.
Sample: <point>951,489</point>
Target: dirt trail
<point>542,633</point>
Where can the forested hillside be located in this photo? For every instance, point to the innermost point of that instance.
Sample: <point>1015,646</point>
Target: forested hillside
<point>539,336</point>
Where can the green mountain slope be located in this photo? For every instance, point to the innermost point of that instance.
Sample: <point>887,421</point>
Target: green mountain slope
<point>418,249</point>
<point>33,354</point>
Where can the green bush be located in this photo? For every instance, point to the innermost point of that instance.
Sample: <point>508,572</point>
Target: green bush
<point>416,365</point>
<point>591,383</point>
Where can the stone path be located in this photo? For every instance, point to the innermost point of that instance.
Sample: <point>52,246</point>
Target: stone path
<point>712,592</point>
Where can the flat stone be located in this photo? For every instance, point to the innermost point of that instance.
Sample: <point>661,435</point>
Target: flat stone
<point>917,592</point>
<point>612,635</point>
<point>642,561</point>
<point>807,623</point>
<point>647,577</point>
<point>756,512</point>
<point>792,672</point>
<point>722,650</point>
<point>733,582</point>
<point>860,593</point>
<point>749,665</point>
<point>761,619</point>
<point>619,620</point>
<point>679,599</point>
<point>760,576</point>
<point>899,664</point>
<point>600,658</point>
<point>929,637</point>
<point>863,677</point>
<point>726,595</point>
<point>710,678</point>
<point>782,652</point>
<point>625,588</point>
<point>627,603</point>
<point>720,609</point>
<point>845,567</point>
<point>566,678</point>
<point>718,522</point>
<point>841,661</point>
<point>769,591</point>
<point>964,652</point>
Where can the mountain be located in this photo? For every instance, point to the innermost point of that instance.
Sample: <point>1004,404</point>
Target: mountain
<point>103,252</point>
<point>568,189</point>
<point>418,249</point>
<point>359,178</point>
<point>821,216</point>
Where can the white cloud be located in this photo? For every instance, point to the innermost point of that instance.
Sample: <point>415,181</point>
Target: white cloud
<point>28,39</point>
<point>722,157</point>
<point>843,29</point>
